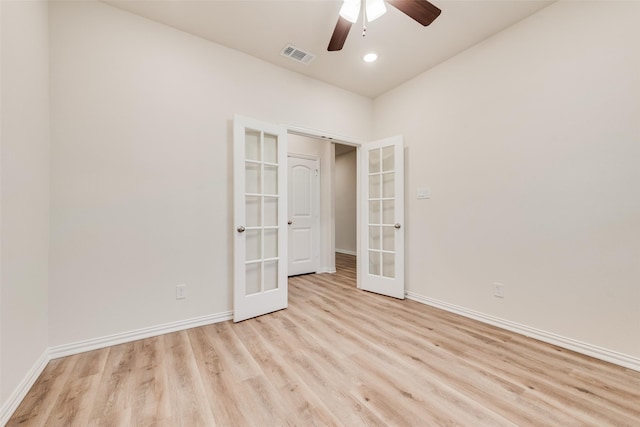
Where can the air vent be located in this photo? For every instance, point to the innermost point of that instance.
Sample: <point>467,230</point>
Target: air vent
<point>297,55</point>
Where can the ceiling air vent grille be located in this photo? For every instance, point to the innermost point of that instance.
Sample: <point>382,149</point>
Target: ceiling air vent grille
<point>297,55</point>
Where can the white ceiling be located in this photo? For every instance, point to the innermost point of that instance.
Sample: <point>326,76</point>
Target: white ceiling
<point>262,28</point>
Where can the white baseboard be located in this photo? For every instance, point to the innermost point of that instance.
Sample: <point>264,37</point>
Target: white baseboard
<point>10,406</point>
<point>548,337</point>
<point>138,334</point>
<point>346,252</point>
<point>326,270</point>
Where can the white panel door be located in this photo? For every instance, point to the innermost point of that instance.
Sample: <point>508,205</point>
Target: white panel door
<point>381,269</point>
<point>260,218</point>
<point>304,210</point>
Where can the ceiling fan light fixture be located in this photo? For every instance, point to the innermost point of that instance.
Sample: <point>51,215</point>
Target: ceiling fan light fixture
<point>375,9</point>
<point>421,11</point>
<point>350,10</point>
<point>370,57</point>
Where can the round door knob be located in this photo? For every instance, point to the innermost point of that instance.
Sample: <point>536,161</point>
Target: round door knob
<point>241,229</point>
<point>289,222</point>
<point>397,225</point>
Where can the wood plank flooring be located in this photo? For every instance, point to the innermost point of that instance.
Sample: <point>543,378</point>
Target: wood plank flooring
<point>336,357</point>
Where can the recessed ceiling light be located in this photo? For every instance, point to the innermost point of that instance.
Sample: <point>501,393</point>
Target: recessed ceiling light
<point>370,57</point>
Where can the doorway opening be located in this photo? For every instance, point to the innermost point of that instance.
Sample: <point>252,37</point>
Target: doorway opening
<point>345,180</point>
<point>335,239</point>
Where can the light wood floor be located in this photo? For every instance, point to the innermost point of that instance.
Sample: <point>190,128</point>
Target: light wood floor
<point>336,356</point>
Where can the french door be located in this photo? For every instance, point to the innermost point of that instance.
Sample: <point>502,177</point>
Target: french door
<point>260,218</point>
<point>381,264</point>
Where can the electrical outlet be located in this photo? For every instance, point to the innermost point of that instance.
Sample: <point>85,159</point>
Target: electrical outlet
<point>498,290</point>
<point>181,291</point>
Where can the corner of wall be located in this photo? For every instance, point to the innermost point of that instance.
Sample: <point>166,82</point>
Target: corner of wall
<point>24,203</point>
<point>15,398</point>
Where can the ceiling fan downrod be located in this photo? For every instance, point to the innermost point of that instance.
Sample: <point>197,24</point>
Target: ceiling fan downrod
<point>364,19</point>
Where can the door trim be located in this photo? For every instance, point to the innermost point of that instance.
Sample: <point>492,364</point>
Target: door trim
<point>303,156</point>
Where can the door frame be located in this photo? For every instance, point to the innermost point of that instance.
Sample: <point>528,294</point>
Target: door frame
<point>317,223</point>
<point>345,140</point>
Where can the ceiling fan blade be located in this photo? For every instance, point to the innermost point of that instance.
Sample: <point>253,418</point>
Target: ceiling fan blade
<point>420,10</point>
<point>339,35</point>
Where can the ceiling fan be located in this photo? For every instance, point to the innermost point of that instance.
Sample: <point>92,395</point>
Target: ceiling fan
<point>420,10</point>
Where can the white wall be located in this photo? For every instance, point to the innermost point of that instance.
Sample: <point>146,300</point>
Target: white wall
<point>24,195</point>
<point>324,151</point>
<point>528,141</point>
<point>346,201</point>
<point>530,144</point>
<point>141,165</point>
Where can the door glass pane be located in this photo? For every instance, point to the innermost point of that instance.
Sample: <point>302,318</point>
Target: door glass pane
<point>387,158</point>
<point>253,245</point>
<point>388,185</point>
<point>388,211</point>
<point>253,211</point>
<point>388,238</point>
<point>389,265</point>
<point>271,243</point>
<point>374,186</point>
<point>252,278</point>
<point>374,212</point>
<point>374,263</point>
<point>374,160</point>
<point>270,148</point>
<point>270,211</point>
<point>252,178</point>
<point>270,179</point>
<point>270,275</point>
<point>374,237</point>
<point>252,145</point>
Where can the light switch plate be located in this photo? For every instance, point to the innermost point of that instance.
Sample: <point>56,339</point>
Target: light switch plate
<point>424,193</point>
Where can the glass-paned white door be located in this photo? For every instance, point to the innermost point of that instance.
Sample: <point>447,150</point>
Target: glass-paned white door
<point>381,268</point>
<point>260,209</point>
